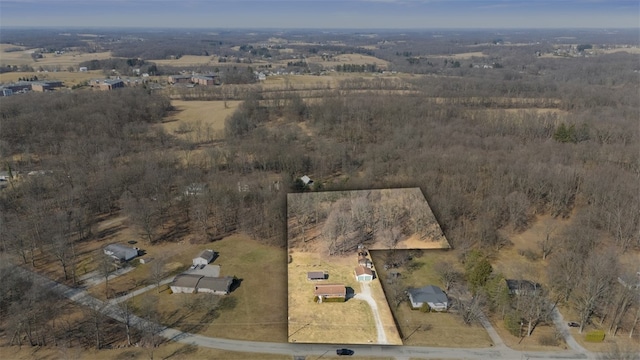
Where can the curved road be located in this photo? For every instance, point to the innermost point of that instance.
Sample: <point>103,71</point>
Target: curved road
<point>113,311</point>
<point>365,295</point>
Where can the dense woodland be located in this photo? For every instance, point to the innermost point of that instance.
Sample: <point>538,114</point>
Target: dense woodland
<point>479,145</point>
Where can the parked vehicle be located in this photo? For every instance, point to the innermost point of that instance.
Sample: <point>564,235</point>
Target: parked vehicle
<point>573,324</point>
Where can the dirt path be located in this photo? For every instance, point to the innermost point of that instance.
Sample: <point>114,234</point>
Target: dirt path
<point>365,295</point>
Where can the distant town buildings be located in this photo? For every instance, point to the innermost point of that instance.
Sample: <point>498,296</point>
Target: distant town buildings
<point>20,87</point>
<point>198,79</point>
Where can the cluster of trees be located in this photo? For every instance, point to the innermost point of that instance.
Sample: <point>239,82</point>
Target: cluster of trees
<point>375,218</point>
<point>122,66</point>
<point>357,68</point>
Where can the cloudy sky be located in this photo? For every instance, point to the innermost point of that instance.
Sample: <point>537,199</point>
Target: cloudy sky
<point>280,14</point>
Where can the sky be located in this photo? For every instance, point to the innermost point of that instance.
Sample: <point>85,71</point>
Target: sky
<point>322,14</point>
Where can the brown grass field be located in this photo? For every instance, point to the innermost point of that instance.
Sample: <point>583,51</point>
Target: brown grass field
<point>68,78</point>
<point>350,322</point>
<point>356,59</point>
<point>65,60</point>
<point>460,56</point>
<point>188,60</point>
<point>200,118</point>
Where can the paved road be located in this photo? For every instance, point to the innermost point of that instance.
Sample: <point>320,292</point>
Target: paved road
<point>400,352</point>
<point>365,295</point>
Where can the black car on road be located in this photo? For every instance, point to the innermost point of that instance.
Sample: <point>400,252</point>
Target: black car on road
<point>347,352</point>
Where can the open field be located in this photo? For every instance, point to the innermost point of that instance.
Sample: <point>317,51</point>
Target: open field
<point>199,118</point>
<point>63,60</point>
<point>188,60</point>
<point>460,56</point>
<point>355,59</point>
<point>350,322</point>
<point>68,78</point>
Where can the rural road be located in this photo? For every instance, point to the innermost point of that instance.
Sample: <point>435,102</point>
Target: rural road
<point>113,311</point>
<point>365,295</point>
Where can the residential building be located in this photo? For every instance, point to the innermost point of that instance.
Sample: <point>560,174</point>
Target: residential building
<point>215,285</point>
<point>330,291</point>
<point>185,283</point>
<point>522,287</point>
<point>120,252</point>
<point>430,295</point>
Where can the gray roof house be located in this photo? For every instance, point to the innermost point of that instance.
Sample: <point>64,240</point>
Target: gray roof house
<point>522,287</point>
<point>431,295</point>
<point>215,285</point>
<point>120,252</point>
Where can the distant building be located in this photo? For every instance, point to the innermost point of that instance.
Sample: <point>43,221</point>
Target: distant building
<point>42,86</point>
<point>206,80</point>
<point>179,79</point>
<point>111,84</point>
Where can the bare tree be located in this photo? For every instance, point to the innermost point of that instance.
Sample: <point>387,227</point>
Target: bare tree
<point>157,271</point>
<point>106,266</point>
<point>600,272</point>
<point>447,273</point>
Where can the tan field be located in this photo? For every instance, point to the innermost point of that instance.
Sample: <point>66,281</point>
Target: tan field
<point>63,61</point>
<point>461,56</point>
<point>68,78</point>
<point>357,59</point>
<point>349,322</point>
<point>199,118</point>
<point>186,60</point>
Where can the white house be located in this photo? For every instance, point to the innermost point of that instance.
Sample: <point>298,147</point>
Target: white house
<point>204,258</point>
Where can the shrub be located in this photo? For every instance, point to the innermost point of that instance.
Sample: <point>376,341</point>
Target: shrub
<point>595,336</point>
<point>425,308</point>
<point>512,323</point>
<point>315,299</point>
